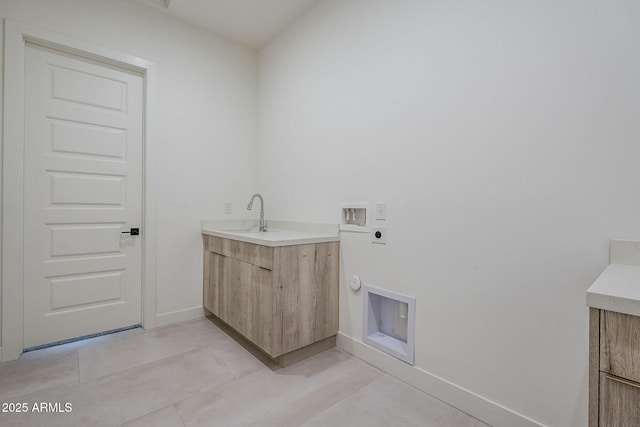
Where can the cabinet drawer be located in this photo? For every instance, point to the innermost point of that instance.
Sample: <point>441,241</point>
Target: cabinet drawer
<point>620,345</point>
<point>259,255</point>
<point>619,402</point>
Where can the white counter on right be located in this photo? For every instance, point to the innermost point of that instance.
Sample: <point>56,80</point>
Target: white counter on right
<point>618,287</point>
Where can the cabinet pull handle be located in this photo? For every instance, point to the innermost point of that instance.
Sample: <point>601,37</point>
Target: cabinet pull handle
<point>623,381</point>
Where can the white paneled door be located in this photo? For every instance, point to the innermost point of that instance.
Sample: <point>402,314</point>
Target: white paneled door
<point>82,190</point>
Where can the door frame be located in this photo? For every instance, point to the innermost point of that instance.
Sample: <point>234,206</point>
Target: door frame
<point>17,35</point>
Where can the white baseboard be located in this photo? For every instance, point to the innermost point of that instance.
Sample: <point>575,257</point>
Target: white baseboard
<point>465,400</point>
<point>179,316</point>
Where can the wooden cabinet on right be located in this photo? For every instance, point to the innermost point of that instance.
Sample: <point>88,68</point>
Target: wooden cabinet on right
<point>614,369</point>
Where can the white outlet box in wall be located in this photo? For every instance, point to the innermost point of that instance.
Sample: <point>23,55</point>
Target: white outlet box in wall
<point>355,216</point>
<point>389,322</point>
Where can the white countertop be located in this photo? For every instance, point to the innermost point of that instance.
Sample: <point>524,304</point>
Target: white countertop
<point>618,287</point>
<point>279,233</point>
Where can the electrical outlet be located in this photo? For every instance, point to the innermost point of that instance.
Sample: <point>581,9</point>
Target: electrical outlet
<point>379,234</point>
<point>228,208</point>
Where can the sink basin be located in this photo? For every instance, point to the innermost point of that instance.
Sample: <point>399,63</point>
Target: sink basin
<point>245,230</point>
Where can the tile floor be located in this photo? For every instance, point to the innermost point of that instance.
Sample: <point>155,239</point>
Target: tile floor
<point>193,374</point>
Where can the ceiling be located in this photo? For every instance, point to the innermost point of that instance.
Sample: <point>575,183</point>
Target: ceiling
<point>249,22</point>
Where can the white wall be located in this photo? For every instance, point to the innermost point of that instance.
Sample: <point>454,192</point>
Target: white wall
<point>206,131</point>
<point>504,136</point>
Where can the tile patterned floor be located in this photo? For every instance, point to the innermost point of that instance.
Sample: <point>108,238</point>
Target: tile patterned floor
<point>193,374</point>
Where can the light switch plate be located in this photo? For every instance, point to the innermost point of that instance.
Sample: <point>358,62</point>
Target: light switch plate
<point>381,211</point>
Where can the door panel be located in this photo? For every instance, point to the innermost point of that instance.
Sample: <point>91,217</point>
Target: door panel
<point>84,240</point>
<point>87,88</point>
<point>88,140</point>
<point>73,291</point>
<point>83,187</point>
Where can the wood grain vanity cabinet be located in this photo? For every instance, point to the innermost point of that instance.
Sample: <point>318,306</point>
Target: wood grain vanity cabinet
<point>283,299</point>
<point>614,369</point>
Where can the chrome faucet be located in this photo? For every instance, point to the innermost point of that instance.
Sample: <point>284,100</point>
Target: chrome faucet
<point>263,227</point>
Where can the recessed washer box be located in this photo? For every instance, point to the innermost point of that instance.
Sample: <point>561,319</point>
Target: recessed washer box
<point>389,322</point>
<point>355,216</point>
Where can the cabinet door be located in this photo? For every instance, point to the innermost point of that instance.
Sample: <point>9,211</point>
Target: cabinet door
<point>619,402</point>
<point>211,282</point>
<point>245,299</point>
<point>260,309</point>
<point>233,292</point>
<point>306,302</point>
<point>620,345</point>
